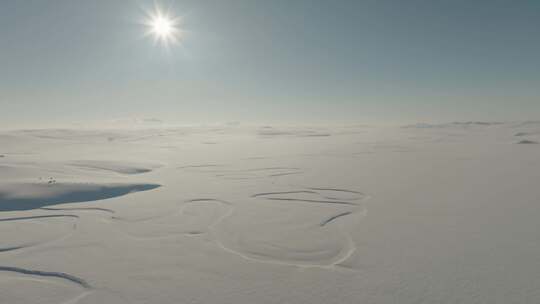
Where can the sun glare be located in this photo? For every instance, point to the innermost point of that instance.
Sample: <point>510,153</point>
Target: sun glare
<point>163,27</point>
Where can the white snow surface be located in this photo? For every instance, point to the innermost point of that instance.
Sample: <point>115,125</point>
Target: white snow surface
<point>424,213</point>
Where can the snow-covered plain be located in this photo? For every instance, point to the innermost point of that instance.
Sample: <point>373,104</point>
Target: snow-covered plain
<point>424,213</point>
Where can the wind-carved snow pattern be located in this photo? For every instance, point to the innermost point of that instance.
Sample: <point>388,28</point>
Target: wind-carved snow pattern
<point>300,227</point>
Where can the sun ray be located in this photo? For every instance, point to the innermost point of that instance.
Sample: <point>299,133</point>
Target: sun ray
<point>163,26</point>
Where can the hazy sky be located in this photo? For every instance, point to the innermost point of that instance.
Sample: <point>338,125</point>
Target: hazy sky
<point>67,61</point>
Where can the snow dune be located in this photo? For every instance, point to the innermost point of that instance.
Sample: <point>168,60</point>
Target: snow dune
<point>16,197</point>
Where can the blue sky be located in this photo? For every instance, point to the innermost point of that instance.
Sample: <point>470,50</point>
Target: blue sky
<point>378,61</point>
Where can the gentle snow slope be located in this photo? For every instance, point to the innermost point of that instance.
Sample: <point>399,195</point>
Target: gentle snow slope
<point>352,214</point>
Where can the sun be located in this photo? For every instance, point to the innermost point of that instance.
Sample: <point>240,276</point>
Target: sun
<point>163,26</point>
